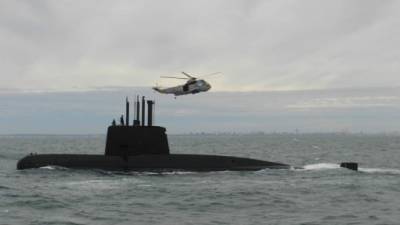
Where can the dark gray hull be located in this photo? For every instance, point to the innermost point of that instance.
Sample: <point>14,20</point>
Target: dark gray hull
<point>169,162</point>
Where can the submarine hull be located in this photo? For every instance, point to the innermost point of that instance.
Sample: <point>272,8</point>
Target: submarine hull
<point>150,162</point>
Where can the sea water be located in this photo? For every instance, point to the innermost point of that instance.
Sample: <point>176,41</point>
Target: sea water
<point>319,193</point>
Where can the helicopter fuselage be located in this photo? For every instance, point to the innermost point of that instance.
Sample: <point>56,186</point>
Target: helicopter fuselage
<point>190,87</point>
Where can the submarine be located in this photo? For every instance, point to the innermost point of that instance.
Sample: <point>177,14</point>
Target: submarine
<point>144,147</point>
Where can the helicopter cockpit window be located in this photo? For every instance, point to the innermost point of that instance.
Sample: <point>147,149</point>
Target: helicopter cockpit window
<point>200,83</point>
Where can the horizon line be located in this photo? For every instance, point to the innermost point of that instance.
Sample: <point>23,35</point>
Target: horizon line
<point>8,91</point>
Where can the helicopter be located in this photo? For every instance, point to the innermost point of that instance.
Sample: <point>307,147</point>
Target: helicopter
<point>193,85</point>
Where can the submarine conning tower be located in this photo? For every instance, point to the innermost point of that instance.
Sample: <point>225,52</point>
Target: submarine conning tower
<point>126,139</point>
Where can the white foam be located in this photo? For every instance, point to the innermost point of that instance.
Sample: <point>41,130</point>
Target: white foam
<point>380,170</point>
<point>321,166</point>
<point>48,167</point>
<point>328,166</point>
<point>149,173</point>
<point>53,168</point>
<point>179,172</point>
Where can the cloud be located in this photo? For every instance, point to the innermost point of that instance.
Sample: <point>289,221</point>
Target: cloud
<point>348,102</point>
<point>258,45</point>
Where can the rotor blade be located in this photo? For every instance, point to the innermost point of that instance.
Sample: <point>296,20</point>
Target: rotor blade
<point>181,78</point>
<point>187,75</point>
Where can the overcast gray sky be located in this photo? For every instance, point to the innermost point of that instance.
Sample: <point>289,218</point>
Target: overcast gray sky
<point>258,45</point>
<point>51,52</point>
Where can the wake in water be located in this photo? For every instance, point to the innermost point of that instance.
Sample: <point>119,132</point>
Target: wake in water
<point>331,166</point>
<point>321,166</point>
<point>380,170</point>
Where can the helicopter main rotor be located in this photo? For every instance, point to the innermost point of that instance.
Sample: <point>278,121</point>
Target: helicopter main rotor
<point>189,77</point>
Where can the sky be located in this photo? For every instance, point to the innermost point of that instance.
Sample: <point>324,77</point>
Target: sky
<point>341,56</point>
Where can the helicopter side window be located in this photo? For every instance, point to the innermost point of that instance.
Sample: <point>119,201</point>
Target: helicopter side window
<point>191,82</point>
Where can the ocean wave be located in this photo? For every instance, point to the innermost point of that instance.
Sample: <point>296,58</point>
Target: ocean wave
<point>4,188</point>
<point>93,184</point>
<point>142,173</point>
<point>104,184</point>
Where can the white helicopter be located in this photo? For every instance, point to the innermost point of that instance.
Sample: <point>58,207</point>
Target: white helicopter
<point>192,86</point>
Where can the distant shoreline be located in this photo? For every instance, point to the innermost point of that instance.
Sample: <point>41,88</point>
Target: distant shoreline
<point>218,134</point>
